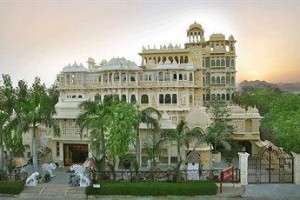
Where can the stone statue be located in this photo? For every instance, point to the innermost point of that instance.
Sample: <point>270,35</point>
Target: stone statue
<point>32,180</point>
<point>47,169</point>
<point>84,181</point>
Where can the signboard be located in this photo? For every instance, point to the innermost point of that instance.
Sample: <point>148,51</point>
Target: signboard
<point>226,174</point>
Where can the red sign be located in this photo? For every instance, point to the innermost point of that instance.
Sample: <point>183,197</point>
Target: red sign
<point>226,174</point>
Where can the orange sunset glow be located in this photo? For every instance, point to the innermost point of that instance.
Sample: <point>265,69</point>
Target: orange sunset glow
<point>39,38</point>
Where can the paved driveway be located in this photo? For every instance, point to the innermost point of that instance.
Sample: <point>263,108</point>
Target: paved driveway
<point>272,191</point>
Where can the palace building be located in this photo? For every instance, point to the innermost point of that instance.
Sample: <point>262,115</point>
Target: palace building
<point>179,81</point>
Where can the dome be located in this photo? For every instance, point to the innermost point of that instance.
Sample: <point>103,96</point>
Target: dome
<point>217,36</point>
<point>74,68</point>
<point>197,118</point>
<point>119,64</point>
<point>195,25</point>
<point>231,38</point>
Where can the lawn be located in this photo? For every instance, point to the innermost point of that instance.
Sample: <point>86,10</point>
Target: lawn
<point>11,187</point>
<point>154,189</point>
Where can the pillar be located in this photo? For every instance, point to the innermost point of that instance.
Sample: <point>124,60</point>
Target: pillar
<point>243,165</point>
<point>296,168</point>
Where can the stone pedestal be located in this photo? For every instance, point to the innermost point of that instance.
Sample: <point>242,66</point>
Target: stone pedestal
<point>296,168</point>
<point>243,165</point>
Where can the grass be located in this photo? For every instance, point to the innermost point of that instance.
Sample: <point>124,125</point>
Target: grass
<point>11,187</point>
<point>154,189</point>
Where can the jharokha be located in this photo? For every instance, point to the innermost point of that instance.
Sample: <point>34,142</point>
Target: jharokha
<point>180,81</point>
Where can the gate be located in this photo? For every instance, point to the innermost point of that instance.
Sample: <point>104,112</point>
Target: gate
<point>271,165</point>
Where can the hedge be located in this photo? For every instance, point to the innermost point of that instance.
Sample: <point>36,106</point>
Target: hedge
<point>11,187</point>
<point>154,189</point>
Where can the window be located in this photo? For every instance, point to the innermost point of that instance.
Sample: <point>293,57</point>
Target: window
<point>191,77</point>
<point>168,98</point>
<point>213,96</point>
<point>160,76</point>
<point>80,96</point>
<point>180,77</point>
<point>144,99</point>
<point>73,96</point>
<point>174,98</point>
<point>218,97</point>
<point>218,62</point>
<point>173,160</point>
<point>123,98</point>
<point>174,76</point>
<point>213,63</point>
<point>232,80</point>
<point>132,78</point>
<point>227,96</point>
<point>207,62</point>
<point>223,80</point>
<point>133,99</point>
<point>207,97</point>
<point>222,62</point>
<point>227,80</point>
<point>57,149</point>
<point>213,80</point>
<point>161,98</point>
<point>232,63</point>
<point>248,125</point>
<point>223,97</point>
<point>218,80</point>
<point>167,76</point>
<point>227,62</point>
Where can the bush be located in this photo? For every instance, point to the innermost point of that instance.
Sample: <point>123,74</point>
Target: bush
<point>11,187</point>
<point>154,189</point>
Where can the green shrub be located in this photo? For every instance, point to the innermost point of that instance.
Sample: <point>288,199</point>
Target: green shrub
<point>11,187</point>
<point>154,189</point>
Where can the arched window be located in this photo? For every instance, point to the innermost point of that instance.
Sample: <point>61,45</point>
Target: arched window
<point>160,76</point>
<point>213,63</point>
<point>73,96</point>
<point>123,97</point>
<point>191,77</point>
<point>232,63</point>
<point>132,78</point>
<point>105,77</point>
<point>218,62</point>
<point>232,80</point>
<point>207,97</point>
<point>207,62</point>
<point>174,98</point>
<point>185,76</point>
<point>174,76</point>
<point>150,77</point>
<point>99,79</point>
<point>213,80</point>
<point>218,80</point>
<point>223,80</point>
<point>116,77</point>
<point>228,97</point>
<point>133,99</point>
<point>97,98</point>
<point>227,62</point>
<point>227,80</point>
<point>167,76</point>
<point>161,98</point>
<point>80,96</point>
<point>222,62</point>
<point>186,60</point>
<point>218,97</point>
<point>168,98</point>
<point>223,97</point>
<point>180,77</point>
<point>248,125</point>
<point>213,96</point>
<point>144,99</point>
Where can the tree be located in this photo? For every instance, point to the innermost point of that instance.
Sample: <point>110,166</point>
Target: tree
<point>35,108</point>
<point>7,102</point>
<point>146,116</point>
<point>95,117</point>
<point>180,137</point>
<point>219,131</point>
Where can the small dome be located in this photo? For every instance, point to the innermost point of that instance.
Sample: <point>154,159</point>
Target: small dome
<point>217,36</point>
<point>120,63</point>
<point>74,68</point>
<point>231,38</point>
<point>195,25</point>
<point>197,118</point>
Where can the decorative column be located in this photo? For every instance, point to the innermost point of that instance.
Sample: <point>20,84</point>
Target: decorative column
<point>296,168</point>
<point>243,165</point>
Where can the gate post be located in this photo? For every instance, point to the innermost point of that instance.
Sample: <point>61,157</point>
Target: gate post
<point>296,168</point>
<point>243,165</point>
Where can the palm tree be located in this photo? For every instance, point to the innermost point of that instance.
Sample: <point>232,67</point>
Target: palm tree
<point>7,103</point>
<point>95,117</point>
<point>150,117</point>
<point>36,107</point>
<point>180,137</point>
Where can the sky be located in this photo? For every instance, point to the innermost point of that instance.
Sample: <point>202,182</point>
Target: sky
<point>39,38</point>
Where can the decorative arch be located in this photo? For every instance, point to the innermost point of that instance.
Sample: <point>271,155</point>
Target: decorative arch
<point>144,99</point>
